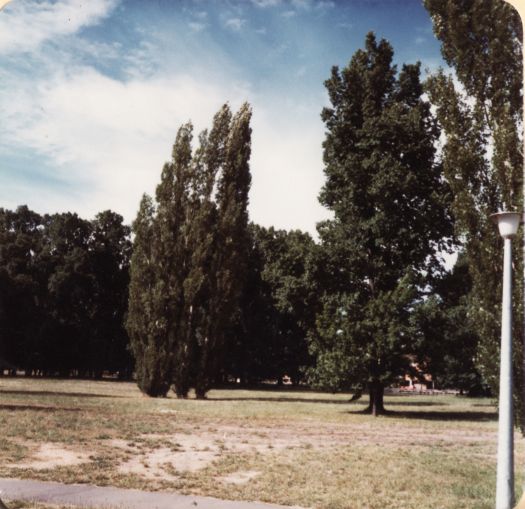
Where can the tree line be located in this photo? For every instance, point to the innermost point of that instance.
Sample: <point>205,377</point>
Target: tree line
<point>63,297</point>
<point>213,297</point>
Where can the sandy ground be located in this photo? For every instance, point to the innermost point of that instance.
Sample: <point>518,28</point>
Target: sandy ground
<point>50,455</point>
<point>155,457</point>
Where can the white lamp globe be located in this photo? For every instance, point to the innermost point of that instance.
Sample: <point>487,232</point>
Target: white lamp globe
<point>508,223</point>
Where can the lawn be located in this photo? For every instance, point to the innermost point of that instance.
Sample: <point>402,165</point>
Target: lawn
<point>283,446</point>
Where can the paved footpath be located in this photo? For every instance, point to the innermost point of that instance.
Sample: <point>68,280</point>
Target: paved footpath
<point>84,495</point>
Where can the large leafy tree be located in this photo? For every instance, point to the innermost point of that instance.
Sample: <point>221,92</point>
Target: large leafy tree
<point>390,220</point>
<point>23,286</point>
<point>482,153</point>
<point>110,250</point>
<point>66,333</point>
<point>278,307</point>
<point>448,339</point>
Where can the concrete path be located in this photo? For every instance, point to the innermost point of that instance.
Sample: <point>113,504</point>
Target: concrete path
<point>84,495</point>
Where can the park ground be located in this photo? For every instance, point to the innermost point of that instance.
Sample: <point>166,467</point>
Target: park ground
<point>286,446</point>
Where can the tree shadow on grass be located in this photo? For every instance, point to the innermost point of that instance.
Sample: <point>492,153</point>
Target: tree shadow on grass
<point>282,400</point>
<point>444,415</point>
<point>39,408</point>
<point>447,415</point>
<point>57,393</point>
<point>413,403</point>
<point>285,399</point>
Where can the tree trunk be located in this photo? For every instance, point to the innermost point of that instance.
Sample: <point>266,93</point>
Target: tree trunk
<point>375,405</point>
<point>200,393</point>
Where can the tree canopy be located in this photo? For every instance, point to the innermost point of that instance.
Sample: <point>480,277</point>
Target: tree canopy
<point>391,219</point>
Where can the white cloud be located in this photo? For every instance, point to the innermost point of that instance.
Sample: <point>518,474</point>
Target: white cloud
<point>103,141</point>
<point>107,141</point>
<point>25,25</point>
<point>287,169</point>
<point>201,14</point>
<point>266,3</point>
<point>302,4</point>
<point>108,136</point>
<point>196,26</point>
<point>288,14</point>
<point>235,24</point>
<point>325,4</point>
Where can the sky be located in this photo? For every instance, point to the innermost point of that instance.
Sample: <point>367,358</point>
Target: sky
<point>92,93</point>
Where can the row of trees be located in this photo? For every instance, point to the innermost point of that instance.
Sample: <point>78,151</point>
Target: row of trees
<point>370,297</point>
<point>190,257</point>
<point>212,296</point>
<point>63,293</point>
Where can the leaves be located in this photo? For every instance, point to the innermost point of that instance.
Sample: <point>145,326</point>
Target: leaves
<point>392,217</point>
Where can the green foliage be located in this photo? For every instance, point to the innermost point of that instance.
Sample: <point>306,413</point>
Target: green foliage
<point>229,149</point>
<point>278,307</point>
<point>153,360</point>
<point>390,220</point>
<point>448,338</point>
<point>63,293</point>
<point>189,264</point>
<point>482,156</point>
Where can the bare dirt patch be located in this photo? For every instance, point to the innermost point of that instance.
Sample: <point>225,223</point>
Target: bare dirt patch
<point>51,455</point>
<point>241,477</point>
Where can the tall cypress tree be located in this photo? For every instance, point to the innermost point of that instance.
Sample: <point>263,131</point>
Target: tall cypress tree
<point>171,230</point>
<point>158,269</point>
<point>153,358</point>
<point>390,208</point>
<point>189,258</point>
<point>228,269</point>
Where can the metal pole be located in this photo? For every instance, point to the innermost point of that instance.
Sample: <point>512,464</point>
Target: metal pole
<point>505,470</point>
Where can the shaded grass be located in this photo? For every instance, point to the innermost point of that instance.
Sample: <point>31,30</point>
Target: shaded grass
<point>429,451</point>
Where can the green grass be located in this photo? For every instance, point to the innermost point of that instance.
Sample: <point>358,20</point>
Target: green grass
<point>302,448</point>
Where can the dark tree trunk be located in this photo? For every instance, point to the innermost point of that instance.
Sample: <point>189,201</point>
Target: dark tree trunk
<point>375,405</point>
<point>200,393</point>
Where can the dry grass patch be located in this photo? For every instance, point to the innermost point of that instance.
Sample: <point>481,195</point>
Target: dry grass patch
<point>289,447</point>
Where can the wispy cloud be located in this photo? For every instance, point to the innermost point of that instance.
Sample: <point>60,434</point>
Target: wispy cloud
<point>98,115</point>
<point>419,40</point>
<point>200,14</point>
<point>197,26</point>
<point>265,3</point>
<point>288,14</point>
<point>25,25</point>
<point>325,4</point>
<point>302,4</point>
<point>235,24</point>
<point>108,136</point>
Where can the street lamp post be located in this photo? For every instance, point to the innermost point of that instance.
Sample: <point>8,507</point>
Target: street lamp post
<point>508,223</point>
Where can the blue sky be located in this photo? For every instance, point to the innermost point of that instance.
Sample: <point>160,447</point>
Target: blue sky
<point>92,92</point>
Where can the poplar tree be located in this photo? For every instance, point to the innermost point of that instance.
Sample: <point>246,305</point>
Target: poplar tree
<point>153,360</point>
<point>390,221</point>
<point>192,248</point>
<point>482,152</point>
<point>229,263</point>
<point>171,229</point>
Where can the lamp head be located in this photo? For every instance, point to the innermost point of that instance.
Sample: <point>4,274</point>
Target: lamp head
<point>508,223</point>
